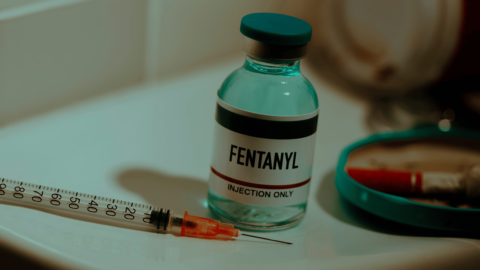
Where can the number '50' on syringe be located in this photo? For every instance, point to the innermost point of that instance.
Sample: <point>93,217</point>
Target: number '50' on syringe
<point>51,199</point>
<point>113,212</point>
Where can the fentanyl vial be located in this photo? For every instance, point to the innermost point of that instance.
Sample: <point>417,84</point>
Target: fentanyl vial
<point>266,122</point>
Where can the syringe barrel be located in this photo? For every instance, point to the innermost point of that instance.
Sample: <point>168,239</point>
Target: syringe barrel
<point>87,207</point>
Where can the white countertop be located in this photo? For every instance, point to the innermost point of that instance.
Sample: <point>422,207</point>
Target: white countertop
<point>152,144</point>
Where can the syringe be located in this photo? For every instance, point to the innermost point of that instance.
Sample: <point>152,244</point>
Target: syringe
<point>122,213</point>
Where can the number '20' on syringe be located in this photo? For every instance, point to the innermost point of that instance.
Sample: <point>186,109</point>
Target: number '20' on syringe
<point>121,213</point>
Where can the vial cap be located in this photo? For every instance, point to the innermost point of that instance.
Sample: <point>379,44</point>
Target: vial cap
<point>277,29</point>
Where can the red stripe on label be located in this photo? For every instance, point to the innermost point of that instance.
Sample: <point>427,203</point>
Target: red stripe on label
<point>247,184</point>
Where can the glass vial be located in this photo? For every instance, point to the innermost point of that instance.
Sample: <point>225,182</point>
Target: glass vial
<point>266,120</point>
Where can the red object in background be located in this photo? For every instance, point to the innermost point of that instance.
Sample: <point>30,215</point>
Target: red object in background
<point>388,181</point>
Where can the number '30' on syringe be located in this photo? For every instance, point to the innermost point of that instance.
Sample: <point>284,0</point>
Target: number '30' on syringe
<point>120,213</point>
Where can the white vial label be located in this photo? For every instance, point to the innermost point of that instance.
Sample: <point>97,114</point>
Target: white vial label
<point>262,160</point>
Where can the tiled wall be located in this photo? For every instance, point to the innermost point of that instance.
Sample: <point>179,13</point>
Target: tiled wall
<point>192,32</point>
<point>57,52</point>
<point>60,55</point>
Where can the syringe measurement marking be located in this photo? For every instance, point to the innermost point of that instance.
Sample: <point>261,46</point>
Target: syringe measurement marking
<point>57,197</point>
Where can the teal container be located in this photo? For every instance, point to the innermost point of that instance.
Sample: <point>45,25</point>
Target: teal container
<point>401,209</point>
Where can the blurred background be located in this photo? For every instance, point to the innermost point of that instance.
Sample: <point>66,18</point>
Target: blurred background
<point>57,52</point>
<point>414,61</point>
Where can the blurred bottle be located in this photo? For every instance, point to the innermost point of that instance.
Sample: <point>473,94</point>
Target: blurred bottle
<point>388,49</point>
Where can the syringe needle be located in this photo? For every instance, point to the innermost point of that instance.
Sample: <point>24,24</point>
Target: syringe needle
<point>111,210</point>
<point>266,239</point>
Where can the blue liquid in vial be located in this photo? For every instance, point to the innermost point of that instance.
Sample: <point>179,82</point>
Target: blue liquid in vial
<point>272,88</point>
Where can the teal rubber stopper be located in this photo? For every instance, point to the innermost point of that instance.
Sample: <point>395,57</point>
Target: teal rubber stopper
<point>276,29</point>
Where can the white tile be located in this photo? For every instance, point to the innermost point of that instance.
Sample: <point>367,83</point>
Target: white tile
<point>196,32</point>
<point>7,4</point>
<point>59,56</point>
